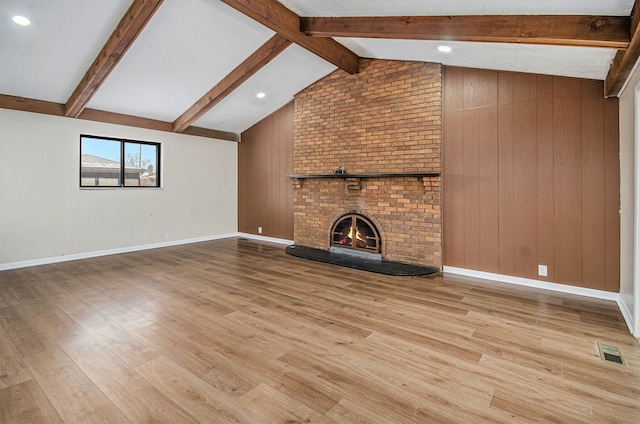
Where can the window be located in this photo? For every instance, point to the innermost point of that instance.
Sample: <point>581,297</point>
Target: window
<point>110,162</point>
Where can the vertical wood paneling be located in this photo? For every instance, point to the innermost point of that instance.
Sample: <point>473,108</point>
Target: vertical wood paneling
<point>544,90</point>
<point>544,145</point>
<point>567,183</point>
<point>287,156</point>
<point>452,179</point>
<point>612,194</point>
<point>525,185</point>
<point>242,182</point>
<point>505,88</point>
<point>505,189</point>
<point>263,189</point>
<point>277,169</point>
<point>550,196</point>
<point>505,235</point>
<point>563,87</point>
<point>593,205</point>
<point>480,88</point>
<point>261,165</point>
<point>453,90</point>
<point>471,189</point>
<point>592,86</point>
<point>524,88</point>
<point>265,194</point>
<point>488,190</point>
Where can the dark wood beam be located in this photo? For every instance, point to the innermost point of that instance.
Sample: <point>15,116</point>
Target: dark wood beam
<point>625,59</point>
<point>57,109</point>
<point>130,26</point>
<point>592,31</point>
<point>240,74</point>
<point>276,16</point>
<point>208,133</point>
<point>26,104</point>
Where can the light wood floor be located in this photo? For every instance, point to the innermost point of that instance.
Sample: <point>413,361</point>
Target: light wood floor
<point>237,331</point>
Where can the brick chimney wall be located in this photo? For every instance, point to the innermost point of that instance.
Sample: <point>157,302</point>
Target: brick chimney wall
<point>385,119</point>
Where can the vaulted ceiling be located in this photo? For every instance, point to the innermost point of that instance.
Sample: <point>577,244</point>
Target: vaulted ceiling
<point>196,66</point>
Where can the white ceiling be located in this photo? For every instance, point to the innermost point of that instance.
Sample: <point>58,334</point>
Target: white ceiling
<point>568,61</point>
<point>190,45</point>
<point>290,72</point>
<point>47,59</point>
<point>162,76</point>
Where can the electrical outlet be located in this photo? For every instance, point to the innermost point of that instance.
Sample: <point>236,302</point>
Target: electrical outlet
<point>542,270</point>
<point>259,230</point>
<point>168,235</point>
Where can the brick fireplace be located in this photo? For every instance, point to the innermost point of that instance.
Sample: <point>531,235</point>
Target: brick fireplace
<point>383,125</point>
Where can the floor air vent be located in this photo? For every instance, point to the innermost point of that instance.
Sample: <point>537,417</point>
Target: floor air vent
<point>610,353</point>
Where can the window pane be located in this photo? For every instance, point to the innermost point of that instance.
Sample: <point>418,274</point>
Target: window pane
<point>99,162</point>
<point>141,165</point>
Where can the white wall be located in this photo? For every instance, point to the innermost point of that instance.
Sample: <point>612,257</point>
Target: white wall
<point>629,278</point>
<point>44,214</point>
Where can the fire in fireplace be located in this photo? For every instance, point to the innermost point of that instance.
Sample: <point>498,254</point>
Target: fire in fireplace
<point>354,231</point>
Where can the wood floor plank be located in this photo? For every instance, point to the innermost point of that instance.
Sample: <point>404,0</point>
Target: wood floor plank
<point>237,331</point>
<point>447,381</point>
<point>26,403</point>
<point>275,407</point>
<point>133,395</point>
<point>507,402</point>
<point>13,371</point>
<point>308,390</point>
<point>56,293</point>
<point>23,331</point>
<point>550,393</point>
<point>204,402</point>
<point>348,411</point>
<point>426,337</point>
<point>256,360</point>
<point>8,300</point>
<point>229,335</point>
<point>212,367</point>
<point>74,395</point>
<point>7,347</point>
<point>123,343</point>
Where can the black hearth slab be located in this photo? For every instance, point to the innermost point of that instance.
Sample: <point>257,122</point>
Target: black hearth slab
<point>357,262</point>
<point>388,175</point>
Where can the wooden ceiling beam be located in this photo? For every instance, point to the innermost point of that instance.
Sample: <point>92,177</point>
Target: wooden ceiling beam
<point>26,104</point>
<point>130,26</point>
<point>57,109</point>
<point>568,30</point>
<point>277,17</point>
<point>269,50</point>
<point>625,59</point>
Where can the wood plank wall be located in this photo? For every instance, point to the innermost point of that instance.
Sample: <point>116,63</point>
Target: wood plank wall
<point>265,194</point>
<point>531,176</point>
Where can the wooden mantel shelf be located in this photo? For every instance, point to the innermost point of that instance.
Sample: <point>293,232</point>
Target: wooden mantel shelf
<point>392,175</point>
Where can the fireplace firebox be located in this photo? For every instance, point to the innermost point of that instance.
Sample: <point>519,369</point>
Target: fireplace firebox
<point>354,231</point>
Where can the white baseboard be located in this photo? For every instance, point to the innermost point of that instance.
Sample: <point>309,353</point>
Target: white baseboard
<point>265,238</point>
<point>580,291</point>
<point>562,288</point>
<point>628,317</point>
<point>65,258</point>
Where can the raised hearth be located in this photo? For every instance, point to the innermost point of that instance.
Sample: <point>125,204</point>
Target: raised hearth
<point>360,262</point>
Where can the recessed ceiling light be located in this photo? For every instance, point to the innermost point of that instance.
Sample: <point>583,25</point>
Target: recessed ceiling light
<point>260,95</point>
<point>21,20</point>
<point>444,49</point>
